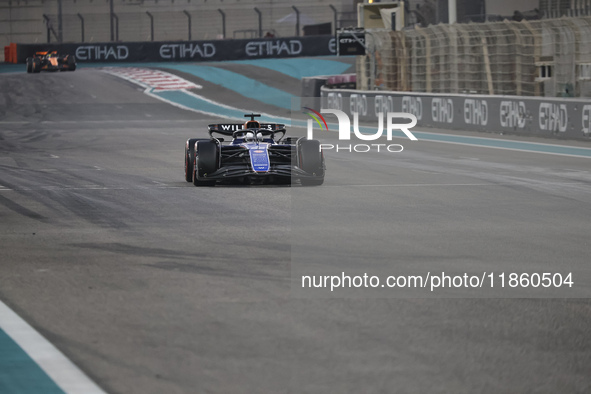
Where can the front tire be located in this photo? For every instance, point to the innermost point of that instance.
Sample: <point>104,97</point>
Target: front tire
<point>189,158</point>
<point>206,162</point>
<point>29,65</point>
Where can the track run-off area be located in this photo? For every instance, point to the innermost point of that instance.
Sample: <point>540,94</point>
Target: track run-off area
<point>118,276</point>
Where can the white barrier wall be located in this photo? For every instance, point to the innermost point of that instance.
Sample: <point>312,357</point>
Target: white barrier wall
<point>547,117</point>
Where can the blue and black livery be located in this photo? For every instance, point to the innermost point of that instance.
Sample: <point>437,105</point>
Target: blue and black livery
<point>257,153</point>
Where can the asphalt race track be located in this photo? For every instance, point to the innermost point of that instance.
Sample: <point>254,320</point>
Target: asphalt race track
<point>150,285</point>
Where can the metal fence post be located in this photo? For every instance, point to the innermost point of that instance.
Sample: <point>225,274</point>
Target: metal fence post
<point>116,27</point>
<point>151,25</point>
<point>519,54</point>
<point>81,26</point>
<point>49,28</point>
<point>189,17</point>
<point>60,25</point>
<point>537,38</point>
<point>48,31</point>
<point>427,57</point>
<point>452,35</point>
<point>334,10</point>
<point>452,11</point>
<point>260,21</point>
<point>223,22</point>
<point>111,12</point>
<point>297,20</point>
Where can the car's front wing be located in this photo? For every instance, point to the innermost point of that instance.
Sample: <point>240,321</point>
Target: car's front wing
<point>276,171</point>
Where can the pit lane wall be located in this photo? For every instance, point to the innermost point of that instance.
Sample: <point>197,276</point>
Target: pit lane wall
<point>195,51</point>
<point>540,116</point>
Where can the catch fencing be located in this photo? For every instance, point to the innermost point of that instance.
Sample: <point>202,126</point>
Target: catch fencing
<point>187,23</point>
<point>549,57</point>
<point>96,21</point>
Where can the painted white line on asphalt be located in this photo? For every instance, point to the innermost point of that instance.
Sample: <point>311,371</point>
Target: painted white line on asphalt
<point>61,370</point>
<point>513,149</point>
<point>476,137</point>
<point>420,185</point>
<point>501,139</point>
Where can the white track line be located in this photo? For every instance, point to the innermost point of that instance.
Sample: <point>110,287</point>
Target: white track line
<point>61,370</point>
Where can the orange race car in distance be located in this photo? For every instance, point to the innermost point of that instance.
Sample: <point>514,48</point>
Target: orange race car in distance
<point>50,61</point>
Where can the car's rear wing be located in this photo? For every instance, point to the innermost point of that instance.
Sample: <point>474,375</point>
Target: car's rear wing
<point>44,53</point>
<point>229,128</point>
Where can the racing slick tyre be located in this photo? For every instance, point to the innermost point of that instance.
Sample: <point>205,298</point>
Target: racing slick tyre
<point>71,62</point>
<point>190,157</point>
<point>36,65</point>
<point>206,162</point>
<point>312,161</point>
<point>29,65</point>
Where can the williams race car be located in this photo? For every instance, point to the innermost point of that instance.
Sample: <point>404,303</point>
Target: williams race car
<point>257,153</point>
<point>50,61</point>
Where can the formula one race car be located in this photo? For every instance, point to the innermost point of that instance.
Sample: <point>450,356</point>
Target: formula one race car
<point>50,61</point>
<point>258,153</point>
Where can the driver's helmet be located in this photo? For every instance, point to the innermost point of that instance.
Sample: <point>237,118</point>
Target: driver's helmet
<point>249,136</point>
<point>52,55</point>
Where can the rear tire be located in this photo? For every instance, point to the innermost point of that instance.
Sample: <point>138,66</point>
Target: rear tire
<point>206,162</point>
<point>36,65</point>
<point>311,160</point>
<point>71,63</point>
<point>29,65</point>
